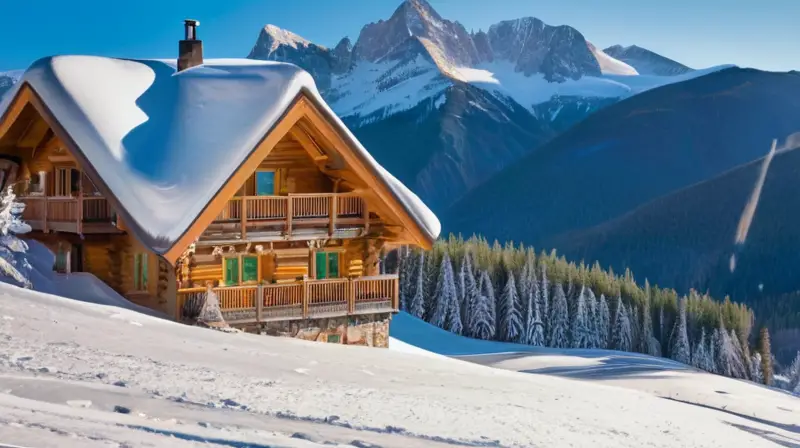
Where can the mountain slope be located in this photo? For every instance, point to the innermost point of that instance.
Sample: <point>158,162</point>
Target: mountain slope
<point>693,238</point>
<point>8,79</point>
<point>645,61</point>
<point>630,153</point>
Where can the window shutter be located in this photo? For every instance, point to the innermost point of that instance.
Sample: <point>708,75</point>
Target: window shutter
<point>249,269</point>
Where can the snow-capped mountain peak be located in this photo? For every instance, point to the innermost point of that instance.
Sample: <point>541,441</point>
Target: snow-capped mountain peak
<point>646,62</point>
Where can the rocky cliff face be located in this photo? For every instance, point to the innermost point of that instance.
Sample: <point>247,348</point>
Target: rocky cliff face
<point>646,62</point>
<point>558,52</point>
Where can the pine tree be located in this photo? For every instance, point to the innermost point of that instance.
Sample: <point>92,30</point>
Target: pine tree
<point>765,350</point>
<point>661,327</point>
<point>794,375</point>
<point>755,363</point>
<point>417,301</point>
<point>603,322</point>
<point>621,332</point>
<point>700,354</point>
<point>636,329</point>
<point>531,304</point>
<point>510,319</point>
<point>545,305</point>
<point>465,276</point>
<point>740,360</point>
<point>581,336</point>
<point>559,319</point>
<point>680,350</point>
<point>14,263</point>
<point>406,267</point>
<point>594,334</point>
<point>472,298</point>
<point>537,337</point>
<point>483,317</point>
<point>714,346</point>
<point>651,344</point>
<point>445,293</point>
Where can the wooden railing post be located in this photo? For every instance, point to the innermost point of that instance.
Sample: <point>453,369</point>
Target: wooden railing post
<point>289,216</point>
<point>259,302</point>
<point>396,297</point>
<point>305,298</point>
<point>243,217</point>
<point>79,206</point>
<point>333,211</point>
<point>351,296</point>
<point>44,219</point>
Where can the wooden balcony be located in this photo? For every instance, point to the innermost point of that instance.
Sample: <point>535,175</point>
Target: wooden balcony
<point>307,299</point>
<point>82,215</point>
<point>290,217</point>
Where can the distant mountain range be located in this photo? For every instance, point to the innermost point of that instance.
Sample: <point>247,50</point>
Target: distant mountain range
<point>445,109</point>
<point>7,80</point>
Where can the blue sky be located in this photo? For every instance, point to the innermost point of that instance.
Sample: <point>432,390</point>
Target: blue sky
<point>699,33</point>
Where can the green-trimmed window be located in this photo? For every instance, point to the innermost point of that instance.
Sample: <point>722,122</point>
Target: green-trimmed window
<point>327,265</point>
<point>140,272</point>
<point>249,269</point>
<point>231,271</point>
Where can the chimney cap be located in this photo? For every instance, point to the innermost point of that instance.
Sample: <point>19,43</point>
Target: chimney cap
<point>191,22</point>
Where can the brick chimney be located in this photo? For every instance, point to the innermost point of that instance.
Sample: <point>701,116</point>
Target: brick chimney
<point>190,50</point>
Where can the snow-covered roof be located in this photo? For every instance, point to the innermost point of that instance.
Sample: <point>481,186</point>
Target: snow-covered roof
<point>165,142</point>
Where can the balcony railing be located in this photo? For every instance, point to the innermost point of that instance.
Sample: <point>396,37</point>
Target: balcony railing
<point>327,211</point>
<point>301,300</point>
<point>65,214</point>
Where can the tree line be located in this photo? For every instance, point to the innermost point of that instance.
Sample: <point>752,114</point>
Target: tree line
<point>510,293</point>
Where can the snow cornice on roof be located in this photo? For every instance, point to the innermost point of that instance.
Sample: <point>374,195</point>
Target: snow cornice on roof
<point>138,126</point>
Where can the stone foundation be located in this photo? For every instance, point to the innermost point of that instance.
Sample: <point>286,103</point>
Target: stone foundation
<point>371,330</point>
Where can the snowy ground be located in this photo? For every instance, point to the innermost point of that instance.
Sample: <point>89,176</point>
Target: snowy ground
<point>66,365</point>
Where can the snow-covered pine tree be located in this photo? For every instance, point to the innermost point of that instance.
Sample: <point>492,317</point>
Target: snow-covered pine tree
<point>636,329</point>
<point>472,297</point>
<point>603,322</point>
<point>416,306</point>
<point>432,268</point>
<point>510,319</point>
<point>579,331</point>
<point>544,290</point>
<point>680,350</point>
<point>461,287</point>
<point>651,344</point>
<point>537,337</point>
<point>740,369</point>
<point>483,317</point>
<point>726,354</point>
<point>13,251</point>
<point>793,373</point>
<point>756,375</point>
<point>445,293</point>
<point>530,303</point>
<point>699,353</point>
<point>721,366</point>
<point>711,351</point>
<point>621,332</point>
<point>591,306</point>
<point>453,322</point>
<point>559,319</point>
<point>405,270</point>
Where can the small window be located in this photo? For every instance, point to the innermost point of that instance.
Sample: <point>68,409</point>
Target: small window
<point>265,183</point>
<point>249,269</point>
<point>140,272</point>
<point>327,265</point>
<point>231,271</point>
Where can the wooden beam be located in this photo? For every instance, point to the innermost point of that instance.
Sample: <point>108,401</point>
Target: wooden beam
<point>308,143</point>
<point>34,134</point>
<point>15,109</point>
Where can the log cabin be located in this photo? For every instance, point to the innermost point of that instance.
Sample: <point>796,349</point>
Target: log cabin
<point>166,179</point>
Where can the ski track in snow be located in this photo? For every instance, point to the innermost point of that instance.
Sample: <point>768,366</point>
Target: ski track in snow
<point>171,385</point>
